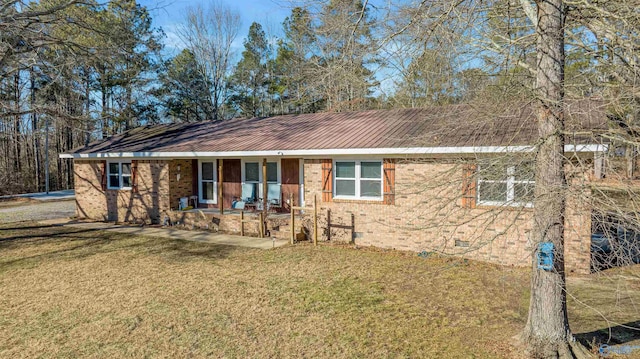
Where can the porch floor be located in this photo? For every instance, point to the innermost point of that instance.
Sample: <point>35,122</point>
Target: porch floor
<point>196,236</point>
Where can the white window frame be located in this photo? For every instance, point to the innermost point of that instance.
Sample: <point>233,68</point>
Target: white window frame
<point>358,179</point>
<point>120,175</point>
<point>215,181</point>
<point>259,162</point>
<point>510,195</point>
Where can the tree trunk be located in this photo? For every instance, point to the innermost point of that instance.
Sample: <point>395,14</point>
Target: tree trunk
<point>35,134</point>
<point>87,99</point>
<point>17,165</point>
<point>104,113</point>
<point>547,333</point>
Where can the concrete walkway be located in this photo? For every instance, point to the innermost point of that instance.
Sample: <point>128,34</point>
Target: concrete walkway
<point>196,236</point>
<point>43,196</point>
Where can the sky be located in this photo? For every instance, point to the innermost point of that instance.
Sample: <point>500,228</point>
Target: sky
<point>168,14</point>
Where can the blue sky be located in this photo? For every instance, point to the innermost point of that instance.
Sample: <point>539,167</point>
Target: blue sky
<point>168,14</point>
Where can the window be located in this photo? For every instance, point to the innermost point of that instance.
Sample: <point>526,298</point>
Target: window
<point>500,184</point>
<point>358,179</point>
<point>208,182</point>
<point>252,173</point>
<point>119,175</point>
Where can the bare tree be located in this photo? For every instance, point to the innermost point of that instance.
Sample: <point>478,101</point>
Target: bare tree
<point>528,40</point>
<point>209,34</point>
<point>547,332</point>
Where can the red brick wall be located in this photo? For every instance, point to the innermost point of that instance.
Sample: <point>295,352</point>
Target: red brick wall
<point>182,187</point>
<point>146,205</point>
<point>428,215</point>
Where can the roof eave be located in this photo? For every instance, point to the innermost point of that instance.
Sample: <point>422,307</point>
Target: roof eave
<point>400,151</point>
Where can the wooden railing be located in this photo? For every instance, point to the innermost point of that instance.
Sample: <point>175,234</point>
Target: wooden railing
<point>260,222</point>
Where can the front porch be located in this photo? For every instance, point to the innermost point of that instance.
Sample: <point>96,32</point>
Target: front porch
<point>271,185</point>
<point>236,222</point>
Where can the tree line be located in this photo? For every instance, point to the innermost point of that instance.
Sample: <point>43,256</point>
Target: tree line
<point>76,70</point>
<point>72,71</point>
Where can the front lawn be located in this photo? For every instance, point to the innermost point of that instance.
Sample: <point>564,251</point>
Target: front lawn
<point>69,292</point>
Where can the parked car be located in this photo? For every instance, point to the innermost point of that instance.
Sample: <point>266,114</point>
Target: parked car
<point>615,240</point>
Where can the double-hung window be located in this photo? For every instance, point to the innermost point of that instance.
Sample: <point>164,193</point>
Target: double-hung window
<point>358,180</point>
<point>119,175</point>
<point>500,184</point>
<point>208,182</point>
<point>252,173</point>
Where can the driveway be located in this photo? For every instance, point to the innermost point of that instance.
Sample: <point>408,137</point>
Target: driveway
<point>37,211</point>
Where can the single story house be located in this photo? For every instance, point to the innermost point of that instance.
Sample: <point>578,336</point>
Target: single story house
<point>454,179</point>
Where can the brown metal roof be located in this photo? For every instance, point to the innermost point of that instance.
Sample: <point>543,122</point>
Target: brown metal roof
<point>450,126</point>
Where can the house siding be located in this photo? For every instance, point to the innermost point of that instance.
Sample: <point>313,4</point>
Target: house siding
<point>428,216</point>
<point>146,205</point>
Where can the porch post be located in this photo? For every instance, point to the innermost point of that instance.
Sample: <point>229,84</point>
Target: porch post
<point>264,186</point>
<point>220,179</point>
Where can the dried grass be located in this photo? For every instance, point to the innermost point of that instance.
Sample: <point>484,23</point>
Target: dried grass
<point>74,293</point>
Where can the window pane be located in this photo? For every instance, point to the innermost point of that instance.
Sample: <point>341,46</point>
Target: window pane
<point>251,172</point>
<point>345,170</point>
<point>113,168</point>
<point>114,181</point>
<point>524,172</point>
<point>126,181</point>
<point>272,172</point>
<point>126,168</point>
<point>523,192</point>
<point>370,188</point>
<point>492,171</point>
<point>207,190</point>
<point>345,187</point>
<point>493,191</point>
<point>371,170</point>
<point>207,171</point>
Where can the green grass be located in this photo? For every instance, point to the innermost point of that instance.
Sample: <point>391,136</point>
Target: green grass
<point>68,292</point>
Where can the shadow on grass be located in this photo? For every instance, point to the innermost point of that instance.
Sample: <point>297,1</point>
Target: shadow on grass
<point>26,228</point>
<point>67,234</point>
<point>82,243</point>
<point>619,334</point>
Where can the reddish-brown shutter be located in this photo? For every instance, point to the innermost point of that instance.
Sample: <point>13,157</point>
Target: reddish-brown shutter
<point>103,180</point>
<point>134,176</point>
<point>469,185</point>
<point>389,178</point>
<point>327,180</point>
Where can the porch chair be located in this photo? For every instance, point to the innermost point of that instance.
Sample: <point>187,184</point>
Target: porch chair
<point>247,198</point>
<point>238,204</point>
<point>248,193</point>
<point>274,195</point>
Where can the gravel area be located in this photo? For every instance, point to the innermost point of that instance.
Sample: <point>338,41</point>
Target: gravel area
<point>37,211</point>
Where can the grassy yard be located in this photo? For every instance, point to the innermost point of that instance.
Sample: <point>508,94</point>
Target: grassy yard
<point>68,292</point>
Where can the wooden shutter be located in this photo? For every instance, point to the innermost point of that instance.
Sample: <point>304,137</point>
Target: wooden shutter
<point>327,180</point>
<point>469,189</point>
<point>134,176</point>
<point>389,181</point>
<point>103,180</point>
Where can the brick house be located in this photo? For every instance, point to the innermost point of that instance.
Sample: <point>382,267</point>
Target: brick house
<point>454,180</point>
